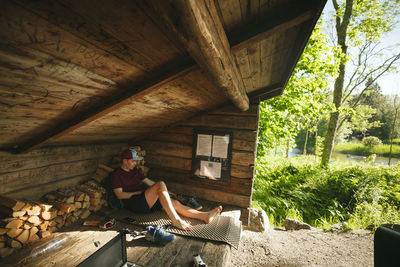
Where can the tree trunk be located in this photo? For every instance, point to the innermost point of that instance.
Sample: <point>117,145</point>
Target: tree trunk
<point>392,133</point>
<point>390,152</point>
<point>329,139</point>
<point>316,139</point>
<point>305,143</point>
<point>341,31</point>
<point>334,116</point>
<point>287,147</point>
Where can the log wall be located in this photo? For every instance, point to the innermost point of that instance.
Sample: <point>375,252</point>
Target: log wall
<point>169,157</point>
<point>33,174</point>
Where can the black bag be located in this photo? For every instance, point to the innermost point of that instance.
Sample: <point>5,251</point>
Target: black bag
<point>113,201</point>
<point>387,245</point>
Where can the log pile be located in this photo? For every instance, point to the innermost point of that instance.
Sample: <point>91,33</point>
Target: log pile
<point>101,173</point>
<point>96,192</point>
<point>23,222</point>
<point>71,205</point>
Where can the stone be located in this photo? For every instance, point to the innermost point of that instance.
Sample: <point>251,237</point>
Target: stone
<point>340,227</point>
<point>292,224</point>
<point>258,220</point>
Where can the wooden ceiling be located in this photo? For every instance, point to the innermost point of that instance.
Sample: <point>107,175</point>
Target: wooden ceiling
<point>80,71</point>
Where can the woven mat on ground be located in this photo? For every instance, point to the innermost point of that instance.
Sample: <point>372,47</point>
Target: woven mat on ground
<point>222,228</point>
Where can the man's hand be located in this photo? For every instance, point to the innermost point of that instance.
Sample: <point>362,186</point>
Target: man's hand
<point>148,181</point>
<point>124,195</point>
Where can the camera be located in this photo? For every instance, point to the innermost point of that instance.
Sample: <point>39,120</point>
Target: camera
<point>198,262</point>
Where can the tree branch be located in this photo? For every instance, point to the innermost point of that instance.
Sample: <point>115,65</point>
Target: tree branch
<point>355,103</point>
<point>338,22</point>
<point>345,22</point>
<point>377,72</point>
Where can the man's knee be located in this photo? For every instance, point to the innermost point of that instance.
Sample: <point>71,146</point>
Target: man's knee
<point>161,186</point>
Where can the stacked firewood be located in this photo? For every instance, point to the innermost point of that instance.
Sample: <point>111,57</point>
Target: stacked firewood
<point>23,222</point>
<point>101,173</point>
<point>116,161</point>
<point>27,221</point>
<point>96,192</point>
<point>71,205</point>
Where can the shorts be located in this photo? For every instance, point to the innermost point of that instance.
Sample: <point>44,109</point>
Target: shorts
<point>138,204</point>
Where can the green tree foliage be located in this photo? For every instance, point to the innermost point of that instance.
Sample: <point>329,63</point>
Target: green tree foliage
<point>374,98</point>
<point>361,119</point>
<point>359,25</point>
<point>302,102</point>
<point>385,107</point>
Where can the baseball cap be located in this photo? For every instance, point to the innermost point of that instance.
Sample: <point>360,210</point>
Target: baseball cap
<point>130,154</point>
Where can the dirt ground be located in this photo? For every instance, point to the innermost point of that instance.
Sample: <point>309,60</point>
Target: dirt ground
<point>277,247</point>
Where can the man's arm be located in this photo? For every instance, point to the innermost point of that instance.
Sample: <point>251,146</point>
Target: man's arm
<point>124,195</point>
<point>148,181</point>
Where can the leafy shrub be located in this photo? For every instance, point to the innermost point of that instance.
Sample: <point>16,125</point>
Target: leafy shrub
<point>373,214</point>
<point>359,193</point>
<point>371,158</point>
<point>371,141</point>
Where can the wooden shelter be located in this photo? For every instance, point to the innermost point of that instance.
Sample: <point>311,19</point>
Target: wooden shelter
<point>81,80</point>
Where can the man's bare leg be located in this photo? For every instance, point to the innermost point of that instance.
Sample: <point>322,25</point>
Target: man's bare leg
<point>159,191</point>
<point>206,217</point>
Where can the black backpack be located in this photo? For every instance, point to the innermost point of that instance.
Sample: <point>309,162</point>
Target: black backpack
<point>113,201</point>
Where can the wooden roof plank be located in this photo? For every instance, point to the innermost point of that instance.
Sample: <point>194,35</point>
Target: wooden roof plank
<point>30,30</point>
<point>124,99</point>
<point>264,30</point>
<point>301,42</point>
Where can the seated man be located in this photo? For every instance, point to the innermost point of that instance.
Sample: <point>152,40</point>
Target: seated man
<point>127,184</point>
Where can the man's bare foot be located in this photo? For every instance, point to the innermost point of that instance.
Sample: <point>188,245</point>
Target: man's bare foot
<point>212,214</point>
<point>181,224</point>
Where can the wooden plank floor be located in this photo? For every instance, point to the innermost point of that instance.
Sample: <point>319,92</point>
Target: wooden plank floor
<point>179,252</point>
<point>80,243</point>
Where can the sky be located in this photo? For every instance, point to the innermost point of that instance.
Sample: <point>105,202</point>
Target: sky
<point>389,82</point>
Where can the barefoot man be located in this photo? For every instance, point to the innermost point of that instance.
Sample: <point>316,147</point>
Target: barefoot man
<point>127,184</point>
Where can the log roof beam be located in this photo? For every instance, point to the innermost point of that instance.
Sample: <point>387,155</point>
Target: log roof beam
<point>197,25</point>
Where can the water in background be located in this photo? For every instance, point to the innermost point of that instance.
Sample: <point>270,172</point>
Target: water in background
<point>348,157</point>
<point>378,160</point>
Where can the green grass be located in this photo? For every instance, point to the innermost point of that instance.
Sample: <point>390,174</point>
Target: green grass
<point>396,141</point>
<point>360,149</point>
<point>299,188</point>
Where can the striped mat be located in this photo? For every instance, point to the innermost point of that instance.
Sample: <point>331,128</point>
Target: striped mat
<point>222,228</point>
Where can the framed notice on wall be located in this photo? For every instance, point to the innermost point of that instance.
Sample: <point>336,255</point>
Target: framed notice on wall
<point>212,154</point>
